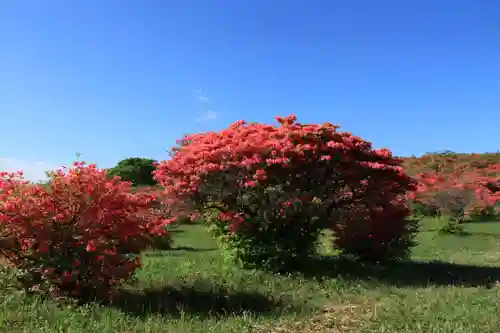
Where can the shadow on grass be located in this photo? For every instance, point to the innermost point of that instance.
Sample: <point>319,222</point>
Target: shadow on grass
<point>482,220</point>
<point>191,249</point>
<point>464,233</point>
<point>199,299</point>
<point>456,233</point>
<point>175,231</point>
<point>404,273</point>
<point>165,252</point>
<point>485,234</point>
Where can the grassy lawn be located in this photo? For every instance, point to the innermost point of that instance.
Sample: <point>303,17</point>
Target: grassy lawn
<point>450,286</point>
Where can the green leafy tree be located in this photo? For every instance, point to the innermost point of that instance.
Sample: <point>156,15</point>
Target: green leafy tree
<point>136,170</point>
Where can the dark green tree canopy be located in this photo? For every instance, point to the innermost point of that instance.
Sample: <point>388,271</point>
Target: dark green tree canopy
<point>136,170</point>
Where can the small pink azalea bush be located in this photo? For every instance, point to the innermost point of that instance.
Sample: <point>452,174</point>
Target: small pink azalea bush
<point>268,191</point>
<point>80,236</point>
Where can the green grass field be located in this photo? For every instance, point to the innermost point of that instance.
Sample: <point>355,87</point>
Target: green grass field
<point>450,286</point>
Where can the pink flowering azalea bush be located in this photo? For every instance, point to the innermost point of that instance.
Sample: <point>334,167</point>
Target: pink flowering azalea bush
<point>80,236</point>
<point>268,191</point>
<point>457,186</point>
<point>160,238</point>
<point>460,193</point>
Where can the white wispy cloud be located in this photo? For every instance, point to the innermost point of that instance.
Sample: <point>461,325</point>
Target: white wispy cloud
<point>33,171</point>
<point>207,113</point>
<point>200,96</point>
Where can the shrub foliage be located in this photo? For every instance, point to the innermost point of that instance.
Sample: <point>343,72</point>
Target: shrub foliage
<point>268,191</point>
<point>137,170</point>
<point>459,192</point>
<point>80,236</point>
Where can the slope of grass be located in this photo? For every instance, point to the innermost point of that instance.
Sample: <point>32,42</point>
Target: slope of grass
<point>450,286</point>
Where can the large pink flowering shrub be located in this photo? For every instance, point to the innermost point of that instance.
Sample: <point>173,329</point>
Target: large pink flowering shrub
<point>268,191</point>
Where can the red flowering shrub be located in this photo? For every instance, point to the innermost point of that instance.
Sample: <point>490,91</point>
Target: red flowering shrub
<point>80,236</point>
<point>159,236</point>
<point>267,191</point>
<point>447,162</point>
<point>459,193</point>
<point>377,228</point>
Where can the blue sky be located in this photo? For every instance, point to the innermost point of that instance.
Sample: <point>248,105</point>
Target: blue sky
<point>113,79</point>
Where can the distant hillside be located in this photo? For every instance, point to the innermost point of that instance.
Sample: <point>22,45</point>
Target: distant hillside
<point>449,160</point>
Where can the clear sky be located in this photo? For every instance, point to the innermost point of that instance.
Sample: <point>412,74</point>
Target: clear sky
<point>113,79</point>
